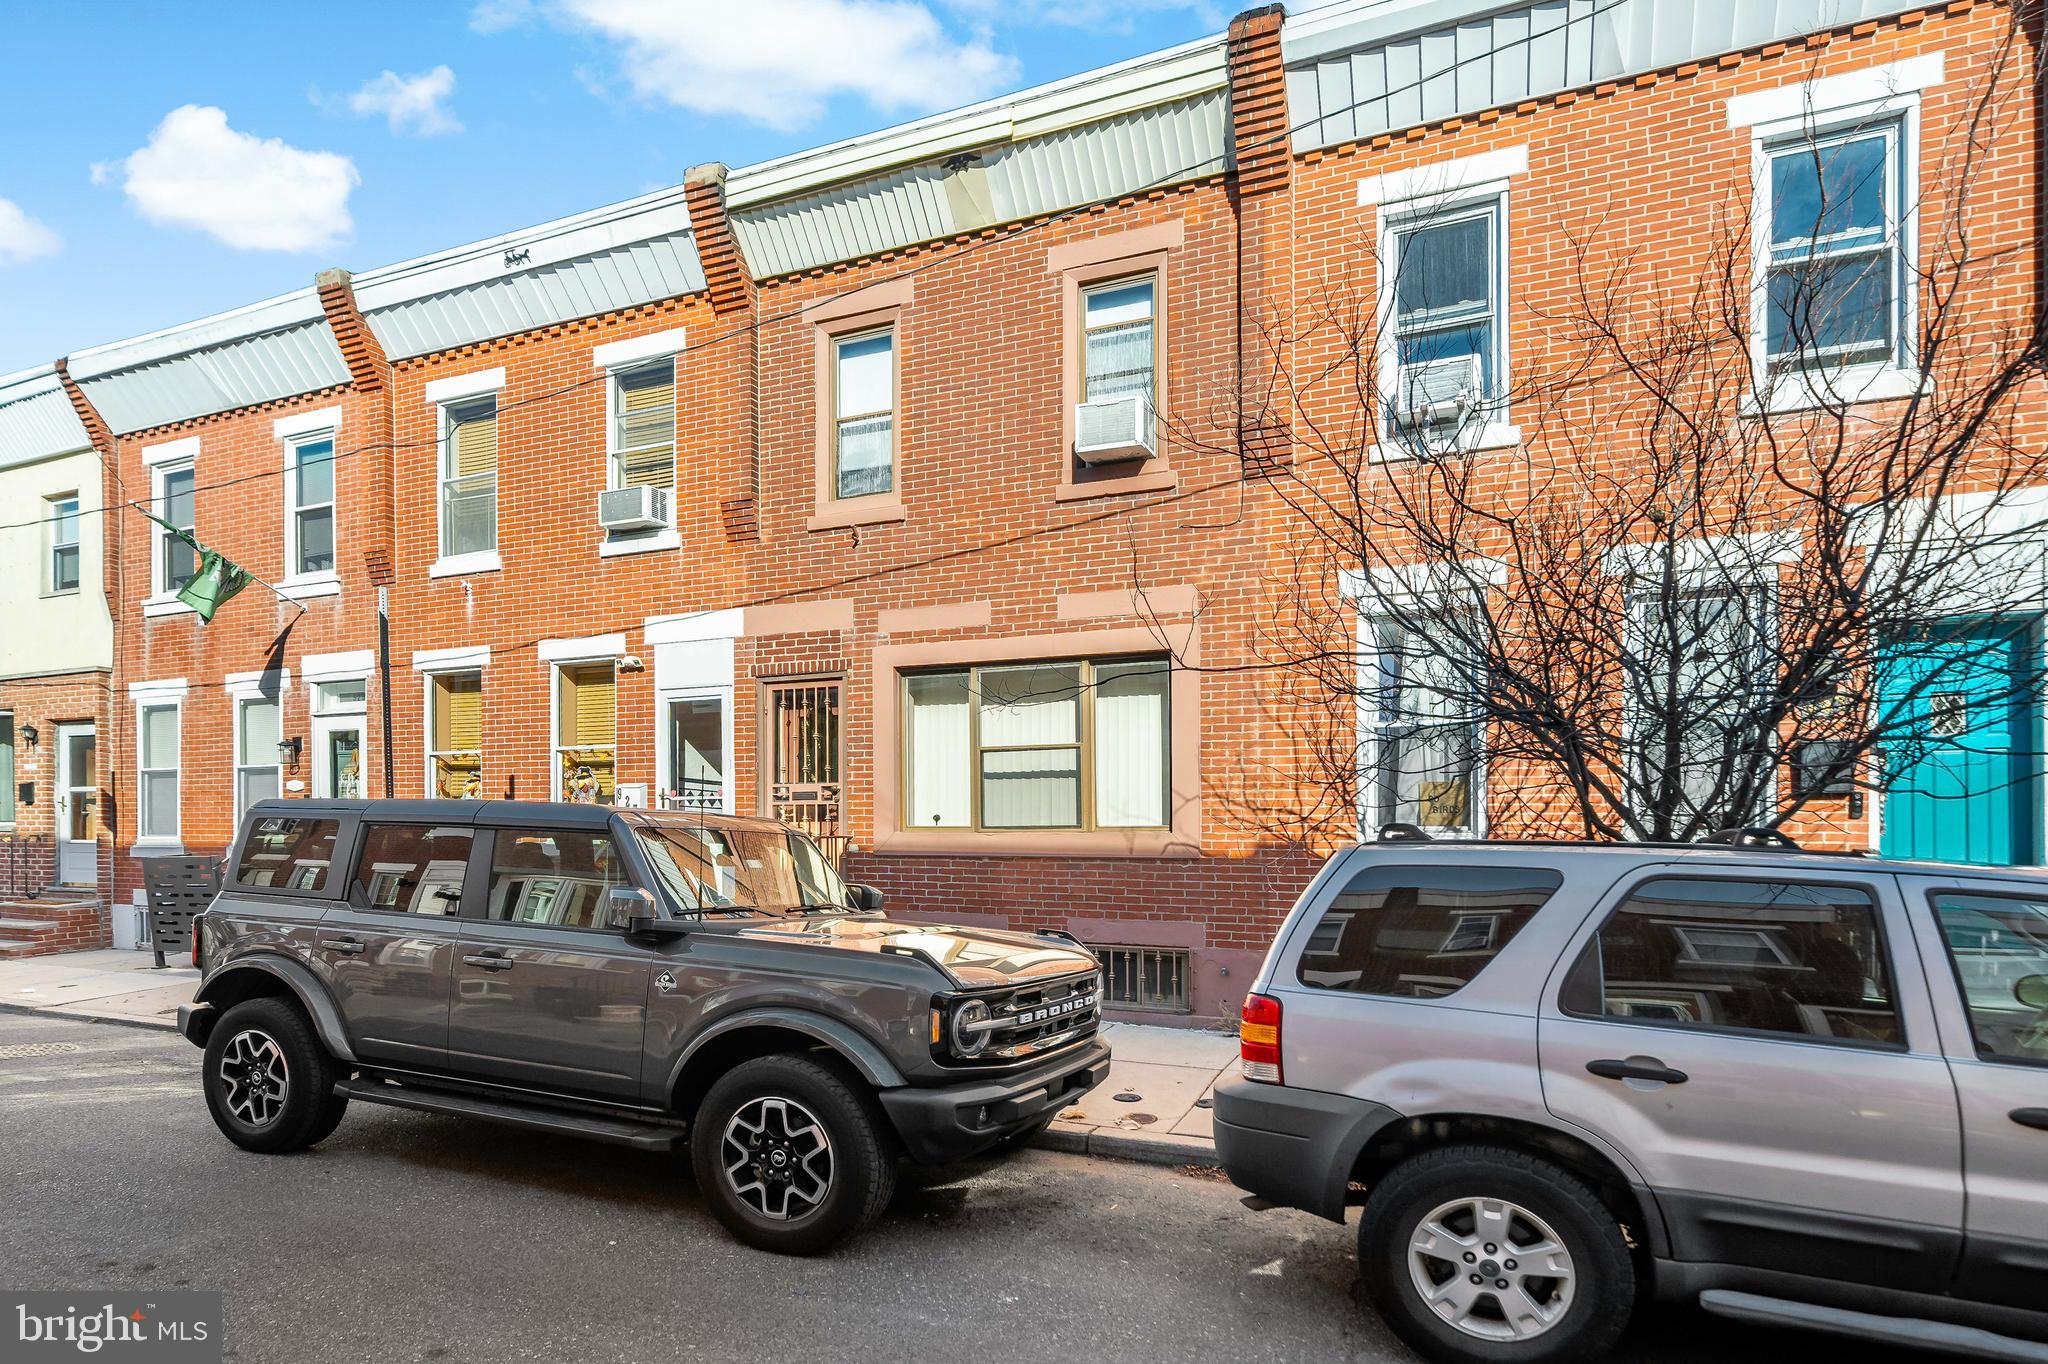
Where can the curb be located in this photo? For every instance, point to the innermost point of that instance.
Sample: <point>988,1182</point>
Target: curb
<point>115,1019</point>
<point>1166,1148</point>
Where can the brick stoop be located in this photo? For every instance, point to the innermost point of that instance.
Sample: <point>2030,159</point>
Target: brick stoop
<point>64,923</point>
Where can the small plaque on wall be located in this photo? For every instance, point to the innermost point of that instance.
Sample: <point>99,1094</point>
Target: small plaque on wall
<point>25,793</point>
<point>630,795</point>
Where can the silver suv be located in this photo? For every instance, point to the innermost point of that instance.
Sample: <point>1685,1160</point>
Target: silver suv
<point>1805,1089</point>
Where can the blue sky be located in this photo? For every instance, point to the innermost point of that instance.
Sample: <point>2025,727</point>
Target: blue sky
<point>163,162</point>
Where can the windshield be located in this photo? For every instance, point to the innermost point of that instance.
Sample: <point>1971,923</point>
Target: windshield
<point>712,870</point>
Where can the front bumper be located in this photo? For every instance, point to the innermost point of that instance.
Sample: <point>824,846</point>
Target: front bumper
<point>195,1022</point>
<point>1294,1147</point>
<point>953,1121</point>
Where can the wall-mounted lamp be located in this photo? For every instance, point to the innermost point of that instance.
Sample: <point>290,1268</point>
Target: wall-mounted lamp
<point>289,749</point>
<point>631,664</point>
<point>30,735</point>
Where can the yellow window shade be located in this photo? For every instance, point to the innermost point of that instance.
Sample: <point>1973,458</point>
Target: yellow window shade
<point>589,706</point>
<point>459,777</point>
<point>646,425</point>
<point>475,439</point>
<point>653,466</point>
<point>459,713</point>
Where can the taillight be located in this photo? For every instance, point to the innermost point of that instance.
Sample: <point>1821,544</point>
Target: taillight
<point>195,939</point>
<point>1258,1039</point>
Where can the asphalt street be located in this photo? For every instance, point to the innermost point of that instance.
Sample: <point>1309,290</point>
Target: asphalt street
<point>410,1236</point>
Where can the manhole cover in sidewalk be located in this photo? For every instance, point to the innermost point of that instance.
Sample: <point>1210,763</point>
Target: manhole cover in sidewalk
<point>37,1049</point>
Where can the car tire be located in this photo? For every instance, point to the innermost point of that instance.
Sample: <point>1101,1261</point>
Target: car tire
<point>268,1082</point>
<point>1424,1219</point>
<point>791,1155</point>
<point>335,1109</point>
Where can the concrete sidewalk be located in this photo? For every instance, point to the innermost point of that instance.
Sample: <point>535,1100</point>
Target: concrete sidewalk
<point>1169,1070</point>
<point>108,986</point>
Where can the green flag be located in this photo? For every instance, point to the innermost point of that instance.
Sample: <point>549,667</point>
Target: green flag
<point>218,578</point>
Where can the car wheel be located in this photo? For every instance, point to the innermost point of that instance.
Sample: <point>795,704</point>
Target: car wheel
<point>269,1083</point>
<point>1477,1253</point>
<point>791,1156</point>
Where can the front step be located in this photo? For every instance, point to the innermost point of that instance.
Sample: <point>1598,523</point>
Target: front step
<point>1966,1341</point>
<point>617,1131</point>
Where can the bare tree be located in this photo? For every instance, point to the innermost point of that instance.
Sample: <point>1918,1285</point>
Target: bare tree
<point>1770,530</point>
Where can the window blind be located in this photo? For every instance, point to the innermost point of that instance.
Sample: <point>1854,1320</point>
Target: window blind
<point>645,426</point>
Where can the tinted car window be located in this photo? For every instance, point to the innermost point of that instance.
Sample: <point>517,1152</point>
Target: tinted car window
<point>1420,932</point>
<point>1763,956</point>
<point>555,877</point>
<point>411,868</point>
<point>1999,945</point>
<point>289,854</point>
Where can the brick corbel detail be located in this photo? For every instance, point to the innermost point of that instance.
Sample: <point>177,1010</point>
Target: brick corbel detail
<point>735,300</point>
<point>1261,149</point>
<point>89,416</point>
<point>360,349</point>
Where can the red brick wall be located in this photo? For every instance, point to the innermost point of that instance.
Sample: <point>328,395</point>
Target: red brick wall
<point>28,850</point>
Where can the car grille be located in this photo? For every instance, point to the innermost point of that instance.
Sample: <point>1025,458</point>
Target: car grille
<point>1041,1017</point>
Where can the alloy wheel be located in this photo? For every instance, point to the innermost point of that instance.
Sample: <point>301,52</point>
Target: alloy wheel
<point>1491,1269</point>
<point>777,1158</point>
<point>255,1077</point>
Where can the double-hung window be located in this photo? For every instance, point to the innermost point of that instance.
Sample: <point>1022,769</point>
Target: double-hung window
<point>156,748</point>
<point>1445,320</point>
<point>176,503</point>
<point>469,476</point>
<point>309,521</point>
<point>63,524</point>
<point>6,770</point>
<point>586,732</point>
<point>864,413</point>
<point>258,774</point>
<point>1423,736</point>
<point>643,452</point>
<point>1120,345</point>
<point>455,729</point>
<point>1695,663</point>
<point>1834,267</point>
<point>1074,744</point>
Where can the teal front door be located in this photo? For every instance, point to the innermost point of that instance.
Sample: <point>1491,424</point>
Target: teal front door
<point>1963,783</point>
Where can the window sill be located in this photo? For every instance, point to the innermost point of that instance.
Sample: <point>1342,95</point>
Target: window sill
<point>157,847</point>
<point>1847,387</point>
<point>164,604</point>
<point>1038,843</point>
<point>879,510</point>
<point>1492,436</point>
<point>305,585</point>
<point>616,549</point>
<point>455,565</point>
<point>1142,481</point>
<point>60,592</point>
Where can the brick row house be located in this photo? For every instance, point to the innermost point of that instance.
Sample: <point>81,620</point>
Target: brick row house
<point>933,490</point>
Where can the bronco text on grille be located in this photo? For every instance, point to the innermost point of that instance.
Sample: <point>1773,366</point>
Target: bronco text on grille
<point>1034,1019</point>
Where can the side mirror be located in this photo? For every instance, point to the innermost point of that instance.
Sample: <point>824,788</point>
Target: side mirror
<point>2032,991</point>
<point>624,904</point>
<point>865,898</point>
<point>645,927</point>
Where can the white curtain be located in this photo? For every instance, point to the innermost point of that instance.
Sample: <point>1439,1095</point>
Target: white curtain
<point>940,760</point>
<point>1131,744</point>
<point>1035,710</point>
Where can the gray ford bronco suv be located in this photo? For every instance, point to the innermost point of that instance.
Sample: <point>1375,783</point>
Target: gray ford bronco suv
<point>1801,1088</point>
<point>635,977</point>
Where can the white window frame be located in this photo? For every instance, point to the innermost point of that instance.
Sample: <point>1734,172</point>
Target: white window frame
<point>162,599</point>
<point>325,721</point>
<point>1488,199</point>
<point>431,664</point>
<point>13,750</point>
<point>296,433</point>
<point>145,696</point>
<point>244,688</point>
<point>1823,110</point>
<point>612,451</point>
<point>446,394</point>
<point>1373,728</point>
<point>665,775</point>
<point>52,544</point>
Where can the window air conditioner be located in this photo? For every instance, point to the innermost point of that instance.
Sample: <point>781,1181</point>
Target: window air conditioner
<point>1112,429</point>
<point>1438,392</point>
<point>638,508</point>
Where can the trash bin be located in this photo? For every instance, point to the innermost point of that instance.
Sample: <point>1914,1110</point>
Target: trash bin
<point>179,888</point>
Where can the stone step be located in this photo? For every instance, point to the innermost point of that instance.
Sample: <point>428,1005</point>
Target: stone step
<point>16,926</point>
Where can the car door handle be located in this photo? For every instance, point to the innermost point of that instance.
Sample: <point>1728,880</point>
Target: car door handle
<point>490,961</point>
<point>2031,1117</point>
<point>1637,1068</point>
<point>349,945</point>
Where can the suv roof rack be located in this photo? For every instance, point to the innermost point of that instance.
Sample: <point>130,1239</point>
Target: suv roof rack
<point>1753,836</point>
<point>1404,833</point>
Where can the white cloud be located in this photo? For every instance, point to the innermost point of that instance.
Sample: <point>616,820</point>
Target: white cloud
<point>1117,16</point>
<point>99,172</point>
<point>22,238</point>
<point>255,193</point>
<point>494,16</point>
<point>410,104</point>
<point>786,59</point>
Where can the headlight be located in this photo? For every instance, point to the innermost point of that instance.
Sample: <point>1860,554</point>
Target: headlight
<point>970,1028</point>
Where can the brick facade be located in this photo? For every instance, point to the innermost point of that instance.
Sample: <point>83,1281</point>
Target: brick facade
<point>52,918</point>
<point>993,540</point>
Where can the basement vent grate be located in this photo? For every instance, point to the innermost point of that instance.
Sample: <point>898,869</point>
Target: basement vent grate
<point>1149,978</point>
<point>20,1049</point>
